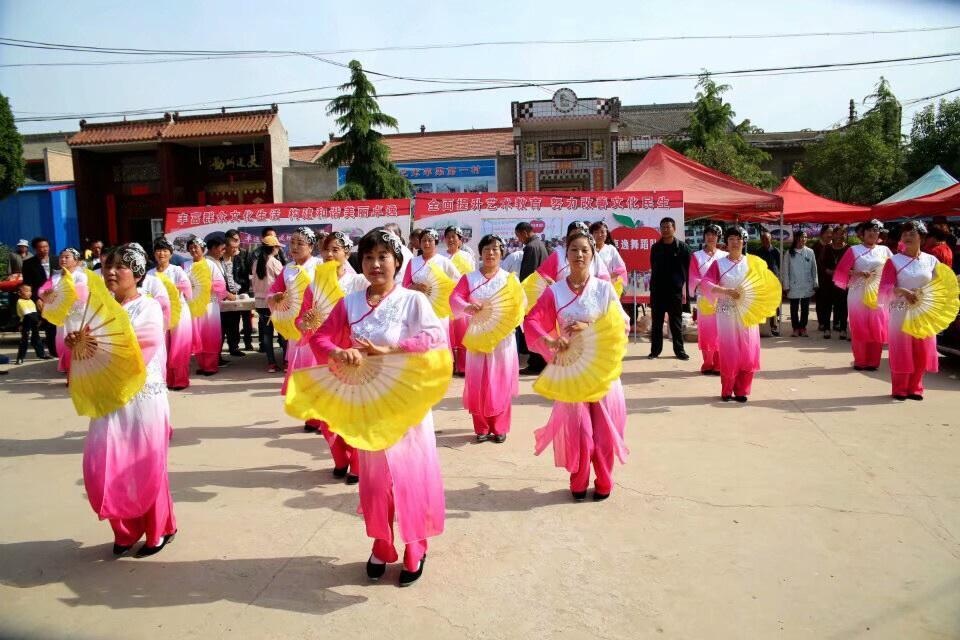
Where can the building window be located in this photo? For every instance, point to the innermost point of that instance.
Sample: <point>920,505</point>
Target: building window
<point>36,171</point>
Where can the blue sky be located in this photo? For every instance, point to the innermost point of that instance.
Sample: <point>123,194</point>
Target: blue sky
<point>775,103</point>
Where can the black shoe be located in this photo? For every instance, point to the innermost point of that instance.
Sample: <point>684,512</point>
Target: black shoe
<point>119,549</point>
<point>900,398</point>
<point>309,427</point>
<point>407,578</point>
<point>340,472</point>
<point>146,551</point>
<point>714,372</point>
<point>775,334</point>
<point>48,357</point>
<point>708,372</point>
<point>375,571</point>
<point>859,368</point>
<point>238,354</point>
<point>527,371</point>
<point>500,439</point>
<point>579,496</point>
<point>600,497</point>
<point>248,346</point>
<point>870,368</point>
<point>915,396</point>
<point>19,361</point>
<point>726,398</point>
<point>740,398</point>
<point>176,388</point>
<point>352,479</point>
<point>201,372</point>
<point>653,356</point>
<point>683,356</point>
<point>483,437</point>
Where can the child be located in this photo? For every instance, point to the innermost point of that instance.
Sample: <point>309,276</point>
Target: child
<point>29,324</point>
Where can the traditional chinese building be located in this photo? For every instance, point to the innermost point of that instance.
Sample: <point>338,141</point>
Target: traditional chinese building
<point>128,173</point>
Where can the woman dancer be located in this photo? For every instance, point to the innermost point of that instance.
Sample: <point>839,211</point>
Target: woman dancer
<point>903,274</point>
<point>608,253</point>
<point>266,269</point>
<point>415,275</point>
<point>868,319</point>
<point>70,260</point>
<point>700,263</point>
<point>125,453</point>
<point>582,433</point>
<point>180,337</point>
<point>207,332</point>
<point>556,267</point>
<point>404,479</point>
<point>739,345</point>
<point>464,263</point>
<point>491,378</point>
<point>299,354</point>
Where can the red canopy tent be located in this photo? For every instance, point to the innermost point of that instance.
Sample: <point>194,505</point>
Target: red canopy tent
<point>706,193</point>
<point>801,205</point>
<point>945,202</point>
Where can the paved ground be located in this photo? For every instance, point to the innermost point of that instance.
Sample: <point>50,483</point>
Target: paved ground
<point>820,510</point>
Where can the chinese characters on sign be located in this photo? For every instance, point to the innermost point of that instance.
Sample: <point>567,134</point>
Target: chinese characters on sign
<point>445,176</point>
<point>567,150</point>
<point>242,158</point>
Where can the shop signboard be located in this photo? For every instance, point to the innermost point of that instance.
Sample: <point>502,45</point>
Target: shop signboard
<point>445,176</point>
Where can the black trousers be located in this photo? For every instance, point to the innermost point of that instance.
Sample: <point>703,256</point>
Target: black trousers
<point>30,335</point>
<point>822,298</point>
<point>800,313</point>
<point>265,329</point>
<point>230,323</point>
<point>247,319</point>
<point>673,308</point>
<point>535,362</point>
<point>49,337</point>
<point>838,308</point>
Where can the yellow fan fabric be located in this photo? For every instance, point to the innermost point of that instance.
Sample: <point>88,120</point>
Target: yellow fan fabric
<point>936,307</point>
<point>501,314</point>
<point>462,263</point>
<point>618,286</point>
<point>871,288</point>
<point>586,369</point>
<point>533,287</point>
<point>283,314</point>
<point>326,294</point>
<point>106,365</point>
<point>374,404</point>
<point>201,281</point>
<point>439,286</point>
<point>760,293</point>
<point>704,306</point>
<point>174,294</point>
<point>58,301</point>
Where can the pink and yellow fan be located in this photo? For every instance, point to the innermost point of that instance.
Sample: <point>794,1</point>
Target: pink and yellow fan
<point>201,280</point>
<point>439,287</point>
<point>106,365</point>
<point>585,370</point>
<point>618,286</point>
<point>284,312</point>
<point>59,299</point>
<point>501,314</point>
<point>373,404</point>
<point>176,307</point>
<point>760,293</point>
<point>326,294</point>
<point>533,287</point>
<point>871,288</point>
<point>462,263</point>
<point>936,306</point>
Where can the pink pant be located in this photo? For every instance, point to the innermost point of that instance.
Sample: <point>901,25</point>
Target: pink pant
<point>178,376</point>
<point>155,523</point>
<point>495,425</point>
<point>711,360</point>
<point>384,549</point>
<point>343,454</point>
<point>905,384</point>
<point>595,448</point>
<point>209,362</point>
<point>866,354</point>
<point>736,386</point>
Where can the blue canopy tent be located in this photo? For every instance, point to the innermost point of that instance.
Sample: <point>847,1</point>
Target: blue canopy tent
<point>932,181</point>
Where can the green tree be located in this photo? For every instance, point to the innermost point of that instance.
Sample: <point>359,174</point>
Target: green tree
<point>713,140</point>
<point>371,173</point>
<point>11,152</point>
<point>934,139</point>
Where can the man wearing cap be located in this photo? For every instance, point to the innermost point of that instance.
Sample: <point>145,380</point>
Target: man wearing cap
<point>17,257</point>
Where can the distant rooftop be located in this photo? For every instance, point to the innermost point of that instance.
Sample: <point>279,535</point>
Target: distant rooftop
<point>175,127</point>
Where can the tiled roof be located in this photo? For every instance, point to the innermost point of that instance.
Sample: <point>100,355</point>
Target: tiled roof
<point>655,120</point>
<point>438,145</point>
<point>174,127</point>
<point>784,138</point>
<point>306,154</point>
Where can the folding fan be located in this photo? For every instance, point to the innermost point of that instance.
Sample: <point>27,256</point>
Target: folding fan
<point>283,313</point>
<point>533,286</point>
<point>501,314</point>
<point>584,370</point>
<point>439,287</point>
<point>326,294</point>
<point>373,404</point>
<point>59,299</point>
<point>462,263</point>
<point>936,306</point>
<point>106,365</point>
<point>201,280</point>
<point>618,286</point>
<point>760,293</point>
<point>174,294</point>
<point>871,287</point>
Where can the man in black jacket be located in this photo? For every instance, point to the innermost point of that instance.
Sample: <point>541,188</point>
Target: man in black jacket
<point>669,263</point>
<point>36,271</point>
<point>242,267</point>
<point>534,254</point>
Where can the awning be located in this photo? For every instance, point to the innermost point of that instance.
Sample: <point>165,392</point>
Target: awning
<point>801,205</point>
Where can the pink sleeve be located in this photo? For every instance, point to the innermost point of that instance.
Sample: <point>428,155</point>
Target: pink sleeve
<point>334,333</point>
<point>460,298</point>
<point>408,275</point>
<point>549,267</point>
<point>431,332</point>
<point>540,323</point>
<point>164,302</point>
<point>279,285</point>
<point>709,282</point>
<point>150,333</point>
<point>888,282</point>
<point>694,274</point>
<point>841,275</point>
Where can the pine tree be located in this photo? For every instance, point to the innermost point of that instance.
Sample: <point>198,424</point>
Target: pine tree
<point>371,173</point>
<point>11,152</point>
